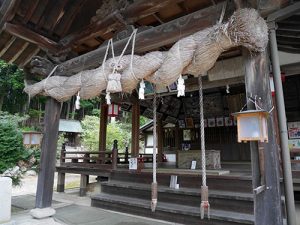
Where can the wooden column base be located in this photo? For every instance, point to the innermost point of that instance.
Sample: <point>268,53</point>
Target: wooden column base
<point>83,185</point>
<point>60,182</point>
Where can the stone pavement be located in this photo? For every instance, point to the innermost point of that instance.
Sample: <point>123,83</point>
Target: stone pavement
<point>74,210</point>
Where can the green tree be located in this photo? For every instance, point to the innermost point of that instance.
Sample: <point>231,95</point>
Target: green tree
<point>11,141</point>
<point>12,98</point>
<point>115,131</point>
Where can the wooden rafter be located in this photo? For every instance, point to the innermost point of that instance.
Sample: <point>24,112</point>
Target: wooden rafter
<point>32,37</point>
<point>29,57</point>
<point>30,11</point>
<point>49,20</point>
<point>20,51</point>
<point>147,40</point>
<point>64,25</point>
<point>7,46</point>
<point>8,10</point>
<point>131,14</point>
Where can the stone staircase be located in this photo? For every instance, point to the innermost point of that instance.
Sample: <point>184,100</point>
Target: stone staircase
<point>230,198</point>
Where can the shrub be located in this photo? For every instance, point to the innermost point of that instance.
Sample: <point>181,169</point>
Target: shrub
<point>11,145</point>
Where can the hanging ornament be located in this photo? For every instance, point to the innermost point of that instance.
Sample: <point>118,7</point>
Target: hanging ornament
<point>113,110</point>
<point>142,90</point>
<point>108,98</point>
<point>77,102</point>
<point>180,87</point>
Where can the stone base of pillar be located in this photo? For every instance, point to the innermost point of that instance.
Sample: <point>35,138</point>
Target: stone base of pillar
<point>42,213</point>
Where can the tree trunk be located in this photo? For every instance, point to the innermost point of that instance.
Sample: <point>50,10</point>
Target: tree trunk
<point>1,101</point>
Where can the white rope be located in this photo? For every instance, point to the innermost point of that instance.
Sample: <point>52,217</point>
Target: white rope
<point>52,71</point>
<point>202,133</point>
<point>154,137</point>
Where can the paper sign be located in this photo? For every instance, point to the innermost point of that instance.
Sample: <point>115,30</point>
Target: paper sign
<point>133,163</point>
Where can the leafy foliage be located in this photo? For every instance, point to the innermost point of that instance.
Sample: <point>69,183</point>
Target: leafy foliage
<point>11,144</point>
<point>11,87</point>
<point>115,131</point>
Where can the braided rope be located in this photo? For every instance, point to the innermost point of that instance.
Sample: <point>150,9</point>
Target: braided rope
<point>202,133</point>
<point>194,54</point>
<point>154,137</point>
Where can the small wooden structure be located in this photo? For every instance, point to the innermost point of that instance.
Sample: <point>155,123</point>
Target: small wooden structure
<point>32,138</point>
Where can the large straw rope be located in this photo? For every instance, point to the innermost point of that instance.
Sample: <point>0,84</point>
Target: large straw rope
<point>195,54</point>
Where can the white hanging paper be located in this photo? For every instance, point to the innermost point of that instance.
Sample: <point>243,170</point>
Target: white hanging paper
<point>142,90</point>
<point>108,98</point>
<point>77,102</point>
<point>180,87</point>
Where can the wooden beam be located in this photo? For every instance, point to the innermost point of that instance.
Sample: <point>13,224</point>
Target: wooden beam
<point>135,130</point>
<point>148,40</point>
<point>8,10</point>
<point>52,18</point>
<point>284,13</point>
<point>48,154</point>
<point>29,57</point>
<point>7,46</point>
<point>129,15</point>
<point>21,50</point>
<point>32,37</point>
<point>264,156</point>
<point>64,25</point>
<point>103,127</point>
<point>30,11</point>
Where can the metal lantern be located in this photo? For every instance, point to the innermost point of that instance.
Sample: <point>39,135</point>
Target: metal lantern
<point>113,110</point>
<point>252,125</point>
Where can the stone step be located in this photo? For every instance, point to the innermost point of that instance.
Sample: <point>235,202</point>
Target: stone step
<point>222,182</point>
<point>177,213</point>
<point>221,200</point>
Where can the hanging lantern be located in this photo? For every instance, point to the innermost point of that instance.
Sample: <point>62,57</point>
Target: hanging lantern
<point>113,110</point>
<point>252,125</point>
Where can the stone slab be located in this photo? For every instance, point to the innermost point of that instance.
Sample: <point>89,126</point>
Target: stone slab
<point>5,199</point>
<point>42,213</point>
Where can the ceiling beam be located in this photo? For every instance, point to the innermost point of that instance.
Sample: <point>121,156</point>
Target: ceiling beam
<point>29,57</point>
<point>284,13</point>
<point>32,37</point>
<point>20,51</point>
<point>8,10</point>
<point>129,15</point>
<point>7,46</point>
<point>147,40</point>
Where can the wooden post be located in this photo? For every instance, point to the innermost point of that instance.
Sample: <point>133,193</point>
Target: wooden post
<point>135,132</point>
<point>60,182</point>
<point>159,140</point>
<point>83,184</point>
<point>115,155</point>
<point>267,204</point>
<point>126,155</point>
<point>48,155</point>
<point>102,131</point>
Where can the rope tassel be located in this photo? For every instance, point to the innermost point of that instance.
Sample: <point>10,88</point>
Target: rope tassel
<point>204,207</point>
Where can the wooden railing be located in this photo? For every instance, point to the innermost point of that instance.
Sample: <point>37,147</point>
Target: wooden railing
<point>108,159</point>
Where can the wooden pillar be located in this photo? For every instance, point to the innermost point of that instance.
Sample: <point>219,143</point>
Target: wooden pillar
<point>160,144</point>
<point>135,131</point>
<point>83,184</point>
<point>48,154</point>
<point>264,156</point>
<point>60,182</point>
<point>103,130</point>
<point>115,155</point>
